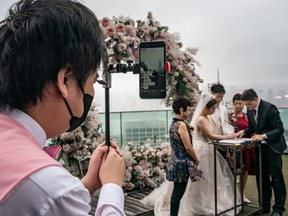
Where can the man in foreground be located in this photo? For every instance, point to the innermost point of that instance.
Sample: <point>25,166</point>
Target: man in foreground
<point>50,51</point>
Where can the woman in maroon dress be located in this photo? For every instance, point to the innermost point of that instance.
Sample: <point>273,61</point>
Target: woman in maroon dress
<point>240,122</point>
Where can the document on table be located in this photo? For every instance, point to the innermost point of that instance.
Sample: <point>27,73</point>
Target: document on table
<point>235,141</point>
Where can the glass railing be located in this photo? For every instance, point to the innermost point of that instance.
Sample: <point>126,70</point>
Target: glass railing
<point>138,127</point>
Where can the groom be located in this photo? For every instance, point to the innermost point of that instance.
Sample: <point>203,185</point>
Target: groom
<point>266,127</point>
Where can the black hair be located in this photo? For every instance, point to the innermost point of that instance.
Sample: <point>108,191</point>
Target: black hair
<point>211,103</point>
<point>180,102</point>
<point>37,40</point>
<point>237,96</point>
<point>217,88</point>
<point>249,95</point>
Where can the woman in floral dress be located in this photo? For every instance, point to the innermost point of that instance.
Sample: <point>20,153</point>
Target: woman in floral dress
<point>183,155</point>
<point>181,166</point>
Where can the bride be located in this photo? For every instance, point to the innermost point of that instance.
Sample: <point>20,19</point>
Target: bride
<point>198,198</point>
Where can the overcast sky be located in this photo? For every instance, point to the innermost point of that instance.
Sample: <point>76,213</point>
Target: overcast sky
<point>246,39</point>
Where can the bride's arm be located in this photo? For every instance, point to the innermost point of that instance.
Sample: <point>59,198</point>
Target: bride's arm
<point>203,126</point>
<point>184,135</point>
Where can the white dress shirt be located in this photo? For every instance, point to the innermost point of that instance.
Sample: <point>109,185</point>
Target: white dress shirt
<point>53,191</point>
<point>220,117</point>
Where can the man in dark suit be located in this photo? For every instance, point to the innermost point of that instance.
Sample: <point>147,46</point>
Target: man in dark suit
<point>266,128</point>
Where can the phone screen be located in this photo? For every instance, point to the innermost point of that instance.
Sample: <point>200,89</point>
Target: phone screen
<point>152,83</point>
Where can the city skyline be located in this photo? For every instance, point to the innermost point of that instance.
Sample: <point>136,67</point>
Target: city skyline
<point>128,100</point>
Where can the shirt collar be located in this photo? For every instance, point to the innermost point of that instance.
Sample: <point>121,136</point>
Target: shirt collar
<point>30,124</point>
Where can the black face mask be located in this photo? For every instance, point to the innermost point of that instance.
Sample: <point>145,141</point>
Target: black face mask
<point>75,121</point>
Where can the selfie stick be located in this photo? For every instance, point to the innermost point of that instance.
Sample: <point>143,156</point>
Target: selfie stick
<point>120,68</point>
<point>107,85</point>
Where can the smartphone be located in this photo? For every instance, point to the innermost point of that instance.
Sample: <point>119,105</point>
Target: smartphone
<point>152,76</point>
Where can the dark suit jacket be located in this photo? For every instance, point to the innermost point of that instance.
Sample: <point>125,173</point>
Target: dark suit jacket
<point>270,123</point>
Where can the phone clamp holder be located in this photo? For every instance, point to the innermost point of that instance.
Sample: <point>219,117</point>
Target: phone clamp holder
<point>124,68</point>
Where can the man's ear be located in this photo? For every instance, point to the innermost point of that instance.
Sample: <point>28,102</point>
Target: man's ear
<point>61,83</point>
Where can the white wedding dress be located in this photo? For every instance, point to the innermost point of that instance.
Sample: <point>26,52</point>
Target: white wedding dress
<point>199,197</point>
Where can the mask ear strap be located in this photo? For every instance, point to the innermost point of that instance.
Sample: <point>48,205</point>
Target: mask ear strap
<point>80,85</point>
<point>69,109</point>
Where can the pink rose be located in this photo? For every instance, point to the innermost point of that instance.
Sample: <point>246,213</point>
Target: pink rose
<point>110,31</point>
<point>129,186</point>
<point>105,22</point>
<point>121,47</point>
<point>120,27</point>
<point>130,30</point>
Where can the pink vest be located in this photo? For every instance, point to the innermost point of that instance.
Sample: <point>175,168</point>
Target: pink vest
<point>20,155</point>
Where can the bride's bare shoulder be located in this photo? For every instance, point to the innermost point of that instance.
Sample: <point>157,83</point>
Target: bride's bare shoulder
<point>202,118</point>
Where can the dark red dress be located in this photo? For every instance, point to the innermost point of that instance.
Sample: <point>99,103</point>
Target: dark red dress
<point>249,157</point>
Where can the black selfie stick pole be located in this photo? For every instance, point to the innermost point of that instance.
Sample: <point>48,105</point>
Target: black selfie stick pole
<point>107,79</point>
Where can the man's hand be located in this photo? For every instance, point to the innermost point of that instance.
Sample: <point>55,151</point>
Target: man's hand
<point>91,180</point>
<point>112,168</point>
<point>258,137</point>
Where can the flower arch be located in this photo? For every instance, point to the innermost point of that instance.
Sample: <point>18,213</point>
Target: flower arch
<point>122,37</point>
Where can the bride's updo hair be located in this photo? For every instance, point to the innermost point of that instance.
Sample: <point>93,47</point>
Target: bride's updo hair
<point>211,103</point>
<point>207,100</point>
